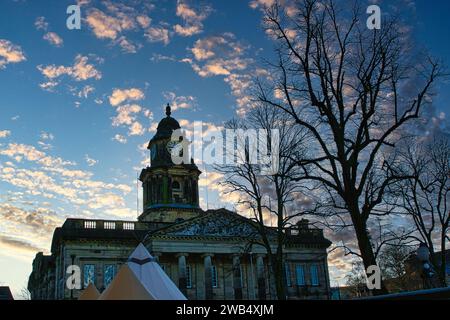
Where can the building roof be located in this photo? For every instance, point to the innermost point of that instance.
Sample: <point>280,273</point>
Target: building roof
<point>78,229</point>
<point>166,126</point>
<point>5,293</point>
<point>222,224</point>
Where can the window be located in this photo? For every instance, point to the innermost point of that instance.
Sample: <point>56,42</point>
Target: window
<point>90,224</point>
<point>109,225</point>
<point>176,185</point>
<point>188,277</point>
<point>128,226</point>
<point>109,273</point>
<point>447,269</point>
<point>287,271</point>
<point>300,275</point>
<point>89,274</point>
<point>214,280</point>
<point>314,275</point>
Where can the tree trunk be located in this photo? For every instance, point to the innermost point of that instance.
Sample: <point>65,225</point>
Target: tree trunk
<point>279,278</point>
<point>442,271</point>
<point>366,251</point>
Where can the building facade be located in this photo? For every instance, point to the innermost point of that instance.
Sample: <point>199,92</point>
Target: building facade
<point>208,254</point>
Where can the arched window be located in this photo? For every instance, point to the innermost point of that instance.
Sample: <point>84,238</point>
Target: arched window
<point>176,185</point>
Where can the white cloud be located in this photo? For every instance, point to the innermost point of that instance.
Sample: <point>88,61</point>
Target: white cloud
<point>53,39</point>
<point>136,129</point>
<point>179,102</point>
<point>5,133</point>
<point>157,34</point>
<point>105,26</point>
<point>127,45</point>
<point>193,19</point>
<point>49,85</point>
<point>224,56</point>
<point>126,114</point>
<point>116,20</point>
<point>81,70</point>
<point>90,161</point>
<point>156,57</point>
<point>41,24</point>
<point>120,95</point>
<point>144,21</point>
<point>85,91</point>
<point>55,178</point>
<point>119,138</point>
<point>220,55</point>
<point>46,136</point>
<point>10,53</point>
<point>261,4</point>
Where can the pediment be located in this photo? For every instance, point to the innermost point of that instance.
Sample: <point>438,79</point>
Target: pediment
<point>212,224</point>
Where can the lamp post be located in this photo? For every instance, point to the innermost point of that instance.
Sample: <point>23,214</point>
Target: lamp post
<point>423,254</point>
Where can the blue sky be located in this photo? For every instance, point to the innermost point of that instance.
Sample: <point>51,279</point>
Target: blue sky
<point>77,106</point>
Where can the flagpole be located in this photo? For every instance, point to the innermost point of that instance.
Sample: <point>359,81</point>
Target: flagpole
<point>137,194</point>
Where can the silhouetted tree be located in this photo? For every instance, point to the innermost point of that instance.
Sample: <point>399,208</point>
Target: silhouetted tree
<point>354,90</point>
<point>269,195</point>
<point>425,196</point>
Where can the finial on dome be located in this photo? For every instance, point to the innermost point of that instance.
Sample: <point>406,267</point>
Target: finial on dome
<point>168,112</point>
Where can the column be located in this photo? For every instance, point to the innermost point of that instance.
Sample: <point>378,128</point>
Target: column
<point>169,190</point>
<point>194,191</point>
<point>260,276</point>
<point>208,276</point>
<point>187,190</point>
<point>150,192</point>
<point>182,281</point>
<point>156,255</point>
<point>237,277</point>
<point>165,189</point>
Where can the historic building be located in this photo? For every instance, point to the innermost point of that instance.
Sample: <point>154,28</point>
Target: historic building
<point>206,253</point>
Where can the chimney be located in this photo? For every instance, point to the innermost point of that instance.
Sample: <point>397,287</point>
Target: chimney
<point>303,224</point>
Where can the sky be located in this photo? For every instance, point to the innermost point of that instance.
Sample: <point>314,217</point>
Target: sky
<point>77,107</point>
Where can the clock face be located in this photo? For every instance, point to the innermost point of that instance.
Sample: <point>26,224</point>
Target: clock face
<point>171,145</point>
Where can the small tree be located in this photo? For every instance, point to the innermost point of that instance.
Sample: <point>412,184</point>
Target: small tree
<point>393,260</point>
<point>269,195</point>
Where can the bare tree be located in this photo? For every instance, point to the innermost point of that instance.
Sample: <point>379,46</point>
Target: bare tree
<point>356,280</point>
<point>269,196</point>
<point>354,90</point>
<point>393,262</point>
<point>25,294</point>
<point>425,197</point>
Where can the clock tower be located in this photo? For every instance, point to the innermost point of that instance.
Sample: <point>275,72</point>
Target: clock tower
<point>170,191</point>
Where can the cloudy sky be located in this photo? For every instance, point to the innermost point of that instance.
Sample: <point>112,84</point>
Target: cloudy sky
<point>79,106</point>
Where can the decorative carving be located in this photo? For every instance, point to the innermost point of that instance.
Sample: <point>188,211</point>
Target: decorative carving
<point>218,226</point>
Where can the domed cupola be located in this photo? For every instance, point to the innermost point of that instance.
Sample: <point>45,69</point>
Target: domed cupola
<point>160,145</point>
<point>166,126</point>
<point>170,190</point>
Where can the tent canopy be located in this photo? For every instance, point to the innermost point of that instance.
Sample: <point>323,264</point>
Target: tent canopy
<point>90,293</point>
<point>126,286</point>
<point>152,276</point>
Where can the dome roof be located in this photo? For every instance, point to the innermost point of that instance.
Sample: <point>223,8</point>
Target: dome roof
<point>166,126</point>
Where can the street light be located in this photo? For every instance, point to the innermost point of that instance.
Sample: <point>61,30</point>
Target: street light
<point>423,254</point>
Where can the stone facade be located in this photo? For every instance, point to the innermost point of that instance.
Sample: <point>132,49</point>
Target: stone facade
<point>208,254</point>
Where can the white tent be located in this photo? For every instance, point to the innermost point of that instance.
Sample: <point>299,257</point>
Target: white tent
<point>152,276</point>
<point>126,286</point>
<point>90,293</point>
